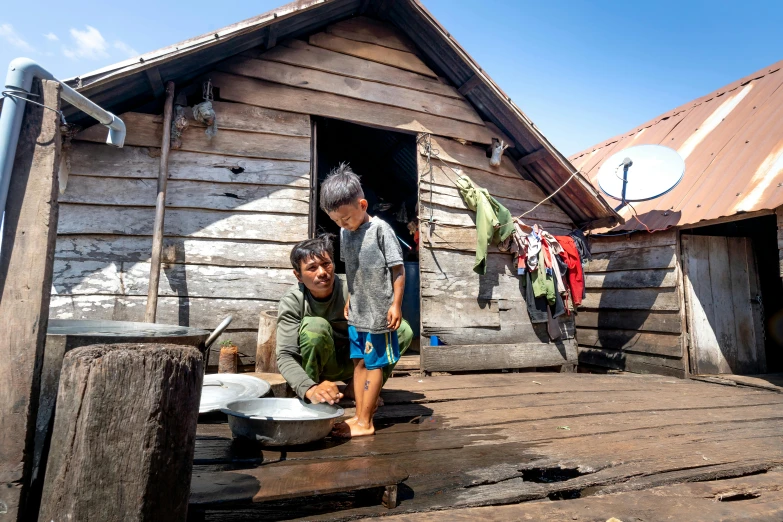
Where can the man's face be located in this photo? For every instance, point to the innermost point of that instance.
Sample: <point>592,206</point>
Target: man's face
<point>351,216</point>
<point>317,274</point>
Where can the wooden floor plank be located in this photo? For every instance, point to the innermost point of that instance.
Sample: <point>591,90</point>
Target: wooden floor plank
<point>274,484</point>
<point>756,497</point>
<point>490,439</point>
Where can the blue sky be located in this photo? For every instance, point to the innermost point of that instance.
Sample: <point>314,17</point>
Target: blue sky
<point>583,71</point>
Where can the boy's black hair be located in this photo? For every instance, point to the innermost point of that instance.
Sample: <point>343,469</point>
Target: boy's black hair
<point>341,187</point>
<point>310,248</point>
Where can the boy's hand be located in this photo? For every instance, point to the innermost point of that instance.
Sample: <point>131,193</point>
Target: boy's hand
<point>345,311</point>
<point>394,317</point>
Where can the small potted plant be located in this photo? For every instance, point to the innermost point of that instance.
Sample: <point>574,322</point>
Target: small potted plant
<point>229,355</point>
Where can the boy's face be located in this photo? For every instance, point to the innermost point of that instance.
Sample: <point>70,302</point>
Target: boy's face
<point>351,216</point>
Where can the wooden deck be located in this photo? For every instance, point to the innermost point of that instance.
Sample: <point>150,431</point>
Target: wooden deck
<point>590,446</point>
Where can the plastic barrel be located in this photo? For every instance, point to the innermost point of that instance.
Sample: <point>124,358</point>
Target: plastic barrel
<point>411,305</point>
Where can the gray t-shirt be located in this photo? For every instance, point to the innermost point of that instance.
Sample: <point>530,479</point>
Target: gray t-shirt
<point>369,254</point>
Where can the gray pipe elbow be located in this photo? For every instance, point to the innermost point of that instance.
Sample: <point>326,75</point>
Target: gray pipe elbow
<point>116,137</point>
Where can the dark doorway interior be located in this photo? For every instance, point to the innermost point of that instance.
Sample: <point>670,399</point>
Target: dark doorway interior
<point>763,232</point>
<point>386,163</point>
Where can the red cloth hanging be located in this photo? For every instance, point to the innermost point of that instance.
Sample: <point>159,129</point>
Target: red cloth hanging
<point>576,278</point>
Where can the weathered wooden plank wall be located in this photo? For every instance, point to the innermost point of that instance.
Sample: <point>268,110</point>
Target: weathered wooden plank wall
<point>466,310</point>
<point>632,316</point>
<point>235,205</point>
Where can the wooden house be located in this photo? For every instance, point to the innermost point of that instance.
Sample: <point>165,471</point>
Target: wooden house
<point>692,286</point>
<point>380,84</point>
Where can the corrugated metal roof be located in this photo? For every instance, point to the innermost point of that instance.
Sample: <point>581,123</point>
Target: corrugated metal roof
<point>132,83</point>
<point>732,143</point>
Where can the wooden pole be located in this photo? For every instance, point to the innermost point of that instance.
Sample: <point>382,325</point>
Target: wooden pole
<point>160,207</point>
<point>266,355</point>
<point>126,424</point>
<point>26,264</point>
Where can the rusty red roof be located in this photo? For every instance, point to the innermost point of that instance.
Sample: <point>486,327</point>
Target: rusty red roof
<point>732,144</point>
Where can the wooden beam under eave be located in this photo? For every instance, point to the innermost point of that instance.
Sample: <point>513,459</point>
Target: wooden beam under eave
<point>271,36</point>
<point>468,86</point>
<point>532,157</point>
<point>381,7</point>
<point>156,82</point>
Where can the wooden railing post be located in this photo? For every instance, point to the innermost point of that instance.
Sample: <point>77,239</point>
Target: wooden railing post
<point>26,265</point>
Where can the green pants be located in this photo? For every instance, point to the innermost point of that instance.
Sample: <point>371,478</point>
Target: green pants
<point>325,359</point>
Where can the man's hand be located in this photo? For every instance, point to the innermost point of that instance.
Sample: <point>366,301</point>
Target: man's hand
<point>394,317</point>
<point>345,311</point>
<point>326,391</point>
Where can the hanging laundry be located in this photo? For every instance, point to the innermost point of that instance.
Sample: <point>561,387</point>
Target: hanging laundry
<point>538,308</point>
<point>544,281</point>
<point>493,220</point>
<point>551,249</point>
<point>575,273</point>
<point>581,245</point>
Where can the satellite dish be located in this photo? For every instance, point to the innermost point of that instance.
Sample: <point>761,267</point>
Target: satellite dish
<point>641,173</point>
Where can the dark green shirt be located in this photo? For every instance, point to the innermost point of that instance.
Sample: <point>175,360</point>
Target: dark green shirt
<point>295,305</point>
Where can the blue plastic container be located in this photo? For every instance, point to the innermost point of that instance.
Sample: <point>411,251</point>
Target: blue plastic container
<point>411,305</point>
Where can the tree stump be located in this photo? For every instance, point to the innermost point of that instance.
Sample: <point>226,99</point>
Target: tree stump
<point>124,434</point>
<point>266,356</point>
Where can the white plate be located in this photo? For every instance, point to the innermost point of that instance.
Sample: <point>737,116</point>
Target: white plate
<point>222,388</point>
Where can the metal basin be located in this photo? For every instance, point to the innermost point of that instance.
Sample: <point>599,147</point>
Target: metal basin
<point>84,332</point>
<point>281,422</point>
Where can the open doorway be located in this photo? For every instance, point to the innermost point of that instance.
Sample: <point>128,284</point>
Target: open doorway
<point>386,163</point>
<point>764,302</point>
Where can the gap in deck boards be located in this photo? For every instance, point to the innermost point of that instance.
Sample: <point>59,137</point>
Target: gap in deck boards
<point>762,231</point>
<point>386,163</point>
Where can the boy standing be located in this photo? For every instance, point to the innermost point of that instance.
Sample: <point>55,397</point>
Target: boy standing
<point>376,283</point>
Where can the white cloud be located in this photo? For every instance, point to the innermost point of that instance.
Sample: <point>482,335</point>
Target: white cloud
<point>51,36</point>
<point>8,33</point>
<point>90,44</point>
<point>126,49</point>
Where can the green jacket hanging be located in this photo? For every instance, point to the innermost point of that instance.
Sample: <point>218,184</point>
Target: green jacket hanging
<point>543,283</point>
<point>493,220</point>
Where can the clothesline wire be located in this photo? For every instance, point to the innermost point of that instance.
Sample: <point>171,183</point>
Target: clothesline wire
<point>21,94</point>
<point>425,139</point>
<point>431,152</point>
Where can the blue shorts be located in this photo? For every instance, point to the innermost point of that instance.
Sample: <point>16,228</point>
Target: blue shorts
<point>377,350</point>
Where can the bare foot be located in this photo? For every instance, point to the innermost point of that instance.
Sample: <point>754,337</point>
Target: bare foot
<point>349,431</point>
<point>352,420</point>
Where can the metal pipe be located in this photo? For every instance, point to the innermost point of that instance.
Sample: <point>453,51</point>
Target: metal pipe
<point>18,83</point>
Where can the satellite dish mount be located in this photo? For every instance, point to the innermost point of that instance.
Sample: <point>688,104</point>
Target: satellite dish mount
<point>627,162</point>
<point>649,172</point>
